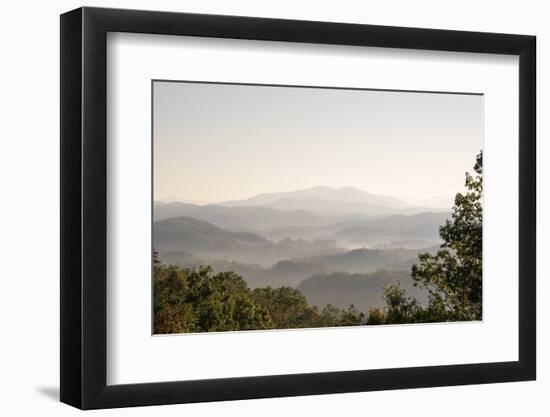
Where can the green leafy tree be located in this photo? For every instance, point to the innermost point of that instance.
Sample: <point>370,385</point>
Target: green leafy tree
<point>400,308</point>
<point>453,276</point>
<point>332,316</point>
<point>171,313</point>
<point>288,309</point>
<point>352,317</point>
<point>197,300</point>
<point>375,316</point>
<point>286,306</point>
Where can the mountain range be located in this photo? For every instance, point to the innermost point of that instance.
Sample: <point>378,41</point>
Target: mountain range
<point>253,218</point>
<point>313,206</point>
<point>182,237</point>
<point>322,193</point>
<point>338,246</point>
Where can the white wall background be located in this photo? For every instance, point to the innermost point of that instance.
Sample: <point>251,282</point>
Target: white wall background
<point>29,226</point>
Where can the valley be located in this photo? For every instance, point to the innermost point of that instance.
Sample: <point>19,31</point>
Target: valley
<point>338,246</point>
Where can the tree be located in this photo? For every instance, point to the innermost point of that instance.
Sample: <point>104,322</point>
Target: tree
<point>197,300</point>
<point>376,316</point>
<point>453,276</point>
<point>171,313</point>
<point>399,307</point>
<point>352,317</point>
<point>156,257</point>
<point>287,307</point>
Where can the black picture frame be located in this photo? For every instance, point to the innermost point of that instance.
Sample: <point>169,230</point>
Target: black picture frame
<point>84,207</point>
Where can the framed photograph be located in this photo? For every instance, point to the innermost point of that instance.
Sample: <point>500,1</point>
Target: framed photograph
<point>257,208</point>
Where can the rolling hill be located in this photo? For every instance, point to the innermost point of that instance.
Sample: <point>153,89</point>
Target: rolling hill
<point>364,260</point>
<point>423,226</point>
<point>196,236</point>
<point>251,218</point>
<point>179,237</point>
<point>364,291</point>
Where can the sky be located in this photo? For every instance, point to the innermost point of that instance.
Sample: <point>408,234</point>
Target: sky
<point>219,142</point>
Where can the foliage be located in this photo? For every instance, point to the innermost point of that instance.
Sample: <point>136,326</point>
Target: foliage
<point>287,307</point>
<point>452,276</point>
<point>201,301</point>
<point>198,300</point>
<point>400,307</point>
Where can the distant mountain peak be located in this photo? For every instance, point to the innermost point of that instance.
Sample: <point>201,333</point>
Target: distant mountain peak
<point>328,200</point>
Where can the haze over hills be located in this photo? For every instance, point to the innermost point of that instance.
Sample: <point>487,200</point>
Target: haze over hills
<point>317,206</point>
<point>423,226</point>
<point>330,201</point>
<point>362,290</point>
<point>193,235</point>
<point>254,218</point>
<point>369,260</point>
<point>277,226</point>
<point>181,238</point>
<point>338,245</point>
<point>323,193</point>
<point>290,272</point>
<point>190,242</point>
<point>422,229</point>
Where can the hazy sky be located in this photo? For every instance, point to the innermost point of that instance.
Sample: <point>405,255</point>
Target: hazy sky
<point>215,142</point>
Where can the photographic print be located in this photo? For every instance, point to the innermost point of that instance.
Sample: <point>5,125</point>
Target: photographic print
<point>285,207</point>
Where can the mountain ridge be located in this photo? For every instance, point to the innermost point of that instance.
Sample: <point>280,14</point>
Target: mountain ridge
<point>314,206</point>
<point>193,235</point>
<point>344,194</point>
